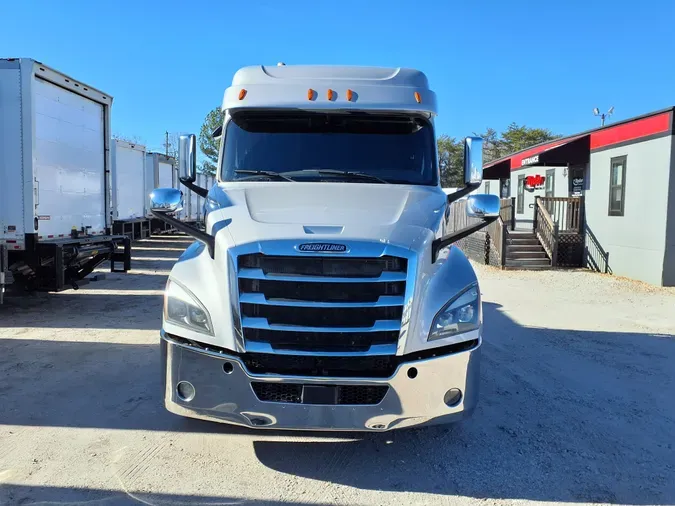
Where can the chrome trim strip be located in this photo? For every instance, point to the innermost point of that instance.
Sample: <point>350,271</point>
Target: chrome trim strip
<point>259,298</point>
<point>263,324</point>
<point>377,349</point>
<point>259,274</point>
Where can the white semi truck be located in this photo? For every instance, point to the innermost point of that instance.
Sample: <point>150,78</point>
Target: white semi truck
<point>55,179</point>
<point>325,292</point>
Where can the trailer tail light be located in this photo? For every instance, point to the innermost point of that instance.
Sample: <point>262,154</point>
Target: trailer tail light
<point>418,97</point>
<point>242,94</point>
<point>330,94</point>
<point>310,94</point>
<point>350,95</point>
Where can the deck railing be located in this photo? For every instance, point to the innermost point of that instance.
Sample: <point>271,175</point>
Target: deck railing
<point>546,230</point>
<point>507,212</point>
<point>565,211</point>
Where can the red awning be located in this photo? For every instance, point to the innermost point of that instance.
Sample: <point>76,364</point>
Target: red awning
<point>568,151</point>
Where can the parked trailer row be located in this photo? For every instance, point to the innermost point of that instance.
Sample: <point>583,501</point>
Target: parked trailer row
<point>56,208</point>
<point>70,196</point>
<point>135,174</point>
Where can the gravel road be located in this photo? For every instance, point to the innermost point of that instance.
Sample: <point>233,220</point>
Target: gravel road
<point>577,406</point>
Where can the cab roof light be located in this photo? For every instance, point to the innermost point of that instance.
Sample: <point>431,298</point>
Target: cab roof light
<point>310,94</point>
<point>418,97</point>
<point>242,94</point>
<point>331,94</point>
<point>350,95</point>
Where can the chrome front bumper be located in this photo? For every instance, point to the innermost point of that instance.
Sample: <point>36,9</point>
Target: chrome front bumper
<point>229,397</point>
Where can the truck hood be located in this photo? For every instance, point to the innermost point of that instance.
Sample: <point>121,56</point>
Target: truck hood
<point>279,210</point>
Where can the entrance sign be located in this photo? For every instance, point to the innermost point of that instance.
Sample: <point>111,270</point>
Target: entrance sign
<point>531,160</point>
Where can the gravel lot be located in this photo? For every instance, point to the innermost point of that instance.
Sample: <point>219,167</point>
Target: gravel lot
<point>577,406</point>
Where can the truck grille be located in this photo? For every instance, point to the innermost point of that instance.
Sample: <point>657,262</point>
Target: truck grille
<point>321,304</point>
<point>293,393</point>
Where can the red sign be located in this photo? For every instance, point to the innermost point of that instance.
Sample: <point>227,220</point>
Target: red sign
<point>534,182</point>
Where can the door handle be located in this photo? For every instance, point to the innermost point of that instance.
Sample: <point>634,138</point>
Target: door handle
<point>36,189</point>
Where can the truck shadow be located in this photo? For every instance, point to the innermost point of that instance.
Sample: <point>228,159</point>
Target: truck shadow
<point>11,494</point>
<point>545,430</point>
<point>564,415</point>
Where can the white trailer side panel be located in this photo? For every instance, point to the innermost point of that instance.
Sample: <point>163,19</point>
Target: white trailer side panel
<point>11,161</point>
<point>69,161</point>
<point>129,180</point>
<point>166,176</point>
<point>150,183</point>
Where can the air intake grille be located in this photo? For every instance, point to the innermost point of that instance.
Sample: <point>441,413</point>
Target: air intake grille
<point>321,303</point>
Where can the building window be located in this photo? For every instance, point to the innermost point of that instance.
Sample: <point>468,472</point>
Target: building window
<point>487,186</point>
<point>617,186</point>
<point>520,204</point>
<point>505,188</point>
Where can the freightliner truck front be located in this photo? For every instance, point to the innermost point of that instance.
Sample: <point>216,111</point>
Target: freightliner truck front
<point>324,292</point>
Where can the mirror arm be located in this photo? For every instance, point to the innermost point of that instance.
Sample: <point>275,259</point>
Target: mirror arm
<point>441,243</point>
<point>202,192</point>
<point>460,193</point>
<point>202,237</point>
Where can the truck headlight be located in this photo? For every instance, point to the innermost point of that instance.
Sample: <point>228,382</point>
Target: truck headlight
<point>182,308</point>
<point>460,315</point>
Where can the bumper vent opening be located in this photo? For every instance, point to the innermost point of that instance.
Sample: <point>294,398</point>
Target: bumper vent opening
<point>354,395</point>
<point>278,392</point>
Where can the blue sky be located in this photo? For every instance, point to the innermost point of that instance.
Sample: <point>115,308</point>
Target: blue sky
<point>543,64</point>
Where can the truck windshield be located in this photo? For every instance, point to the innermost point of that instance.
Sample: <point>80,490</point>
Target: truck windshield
<point>347,147</point>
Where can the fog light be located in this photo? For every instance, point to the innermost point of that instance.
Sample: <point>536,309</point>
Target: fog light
<point>228,368</point>
<point>185,391</point>
<point>453,397</point>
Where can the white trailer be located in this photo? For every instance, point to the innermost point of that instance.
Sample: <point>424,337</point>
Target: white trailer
<point>130,190</point>
<point>161,171</point>
<point>55,185</point>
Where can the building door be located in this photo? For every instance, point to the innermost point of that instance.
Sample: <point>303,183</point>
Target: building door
<point>549,190</point>
<point>520,204</point>
<point>549,184</point>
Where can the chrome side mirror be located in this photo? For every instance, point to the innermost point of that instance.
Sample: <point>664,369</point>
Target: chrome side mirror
<point>187,157</point>
<point>483,206</point>
<point>166,200</point>
<point>473,160</point>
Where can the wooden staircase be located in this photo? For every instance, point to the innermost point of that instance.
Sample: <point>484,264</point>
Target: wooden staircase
<point>524,251</point>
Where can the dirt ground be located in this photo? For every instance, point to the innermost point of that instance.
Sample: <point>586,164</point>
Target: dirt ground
<point>577,406</point>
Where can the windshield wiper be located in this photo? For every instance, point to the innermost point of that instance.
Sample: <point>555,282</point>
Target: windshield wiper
<point>269,173</point>
<point>352,175</point>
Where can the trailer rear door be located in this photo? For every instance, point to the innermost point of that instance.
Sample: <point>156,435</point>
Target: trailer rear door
<point>165,175</point>
<point>69,161</point>
<point>129,181</point>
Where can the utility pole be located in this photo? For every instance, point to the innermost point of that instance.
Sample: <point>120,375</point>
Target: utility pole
<point>166,142</point>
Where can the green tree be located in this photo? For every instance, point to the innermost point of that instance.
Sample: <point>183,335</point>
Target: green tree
<point>207,144</point>
<point>517,137</point>
<point>493,147</point>
<point>451,161</point>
